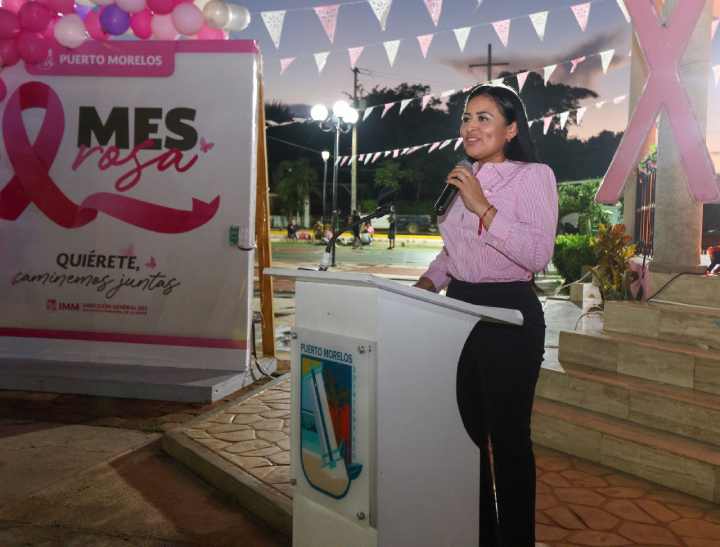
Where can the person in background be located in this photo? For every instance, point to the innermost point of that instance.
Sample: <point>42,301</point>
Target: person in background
<point>392,227</point>
<point>355,220</point>
<point>714,254</point>
<point>497,234</point>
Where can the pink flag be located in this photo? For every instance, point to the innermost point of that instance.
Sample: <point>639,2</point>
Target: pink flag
<point>521,77</point>
<point>367,112</point>
<point>547,120</point>
<point>387,153</point>
<point>579,114</point>
<point>458,142</point>
<point>714,27</point>
<point>387,107</point>
<point>433,146</point>
<point>582,13</point>
<point>328,19</point>
<point>396,153</point>
<point>425,40</point>
<point>435,8</point>
<point>502,28</point>
<point>426,101</point>
<point>344,160</point>
<point>376,156</point>
<point>355,53</point>
<point>284,63</point>
<point>444,144</point>
<point>575,62</point>
<point>530,123</point>
<point>404,103</point>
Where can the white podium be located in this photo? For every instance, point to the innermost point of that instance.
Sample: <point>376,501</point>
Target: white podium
<point>378,450</point>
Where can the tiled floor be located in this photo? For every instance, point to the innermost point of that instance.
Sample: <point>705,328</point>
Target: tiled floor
<point>578,502</point>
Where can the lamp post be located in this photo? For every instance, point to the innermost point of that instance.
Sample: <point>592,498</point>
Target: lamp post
<point>325,156</point>
<point>341,120</point>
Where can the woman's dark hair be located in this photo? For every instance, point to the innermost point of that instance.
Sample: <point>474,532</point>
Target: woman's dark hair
<point>521,147</point>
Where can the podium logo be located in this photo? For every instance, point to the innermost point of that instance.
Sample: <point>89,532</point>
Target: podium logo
<point>327,431</point>
<point>54,305</point>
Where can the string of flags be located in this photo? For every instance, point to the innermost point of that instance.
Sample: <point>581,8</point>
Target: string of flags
<point>547,71</point>
<point>547,121</point>
<point>328,15</point>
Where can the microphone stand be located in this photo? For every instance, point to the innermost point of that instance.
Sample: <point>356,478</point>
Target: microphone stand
<point>327,256</point>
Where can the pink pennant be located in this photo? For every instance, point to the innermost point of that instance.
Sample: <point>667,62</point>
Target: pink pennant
<point>547,120</point>
<point>458,142</point>
<point>435,8</point>
<point>355,53</point>
<point>284,63</point>
<point>579,114</point>
<point>344,160</point>
<point>433,146</point>
<point>521,77</point>
<point>502,28</point>
<point>328,19</point>
<point>424,41</point>
<point>582,13</point>
<point>444,144</point>
<point>386,108</point>
<point>714,28</point>
<point>575,62</point>
<point>376,156</point>
<point>396,153</point>
<point>426,101</point>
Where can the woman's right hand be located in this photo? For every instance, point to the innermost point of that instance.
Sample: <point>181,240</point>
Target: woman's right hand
<point>425,283</point>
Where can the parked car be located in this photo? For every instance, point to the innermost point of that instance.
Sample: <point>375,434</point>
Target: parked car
<point>409,224</point>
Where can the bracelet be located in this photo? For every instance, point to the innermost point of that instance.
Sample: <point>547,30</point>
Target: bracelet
<point>490,207</point>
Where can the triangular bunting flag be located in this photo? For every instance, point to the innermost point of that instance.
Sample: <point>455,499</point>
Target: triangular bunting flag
<point>605,58</point>
<point>521,77</point>
<point>716,73</point>
<point>458,142</point>
<point>502,28</point>
<point>391,48</point>
<point>405,151</point>
<point>426,101</point>
<point>404,103</point>
<point>563,119</point>
<point>343,161</point>
<point>623,9</point>
<point>433,146</point>
<point>530,123</point>
<point>575,62</point>
<point>337,161</point>
<point>714,28</point>
<point>361,157</point>
<point>284,63</point>
<point>600,104</point>
<point>498,81</point>
<point>582,14</point>
<point>461,35</point>
<point>387,153</point>
<point>386,108</point>
<point>579,114</point>
<point>444,144</point>
<point>321,59</point>
<point>434,7</point>
<point>548,70</point>
<point>539,20</point>
<point>368,157</point>
<point>274,23</point>
<point>424,41</point>
<point>355,53</point>
<point>547,120</point>
<point>619,99</point>
<point>396,153</point>
<point>381,9</point>
<point>376,156</point>
<point>328,19</point>
<point>367,112</point>
<point>447,93</point>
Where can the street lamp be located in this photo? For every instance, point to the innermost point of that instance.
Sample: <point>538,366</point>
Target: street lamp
<point>325,157</point>
<point>341,120</point>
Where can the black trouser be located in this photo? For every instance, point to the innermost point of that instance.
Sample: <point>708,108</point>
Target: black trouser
<point>496,378</point>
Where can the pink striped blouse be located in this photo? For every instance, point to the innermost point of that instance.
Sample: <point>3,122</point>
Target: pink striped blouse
<point>521,237</point>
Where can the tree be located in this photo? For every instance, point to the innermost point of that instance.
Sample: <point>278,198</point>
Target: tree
<point>580,198</point>
<point>277,111</point>
<point>391,175</point>
<point>295,183</point>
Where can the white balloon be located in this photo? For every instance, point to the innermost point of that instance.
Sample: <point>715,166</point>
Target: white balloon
<point>132,6</point>
<point>201,3</point>
<point>70,31</point>
<point>239,18</point>
<point>103,2</point>
<point>217,13</point>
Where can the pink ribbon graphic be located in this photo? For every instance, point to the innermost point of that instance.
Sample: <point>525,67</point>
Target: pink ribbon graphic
<point>32,182</point>
<point>663,47</point>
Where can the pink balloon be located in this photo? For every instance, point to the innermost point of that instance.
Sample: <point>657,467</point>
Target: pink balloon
<point>3,90</point>
<point>132,6</point>
<point>32,47</point>
<point>13,5</point>
<point>209,33</point>
<point>34,17</point>
<point>9,24</point>
<point>177,2</point>
<point>9,54</point>
<point>188,19</point>
<point>162,7</point>
<point>92,24</point>
<point>163,27</point>
<point>50,30</point>
<point>141,24</point>
<point>62,6</point>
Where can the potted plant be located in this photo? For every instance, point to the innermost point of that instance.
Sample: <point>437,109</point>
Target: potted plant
<point>612,273</point>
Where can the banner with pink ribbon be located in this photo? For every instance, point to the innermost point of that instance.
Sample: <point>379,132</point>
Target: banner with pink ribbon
<point>117,198</point>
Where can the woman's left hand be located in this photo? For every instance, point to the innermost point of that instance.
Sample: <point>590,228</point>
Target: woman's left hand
<point>470,190</point>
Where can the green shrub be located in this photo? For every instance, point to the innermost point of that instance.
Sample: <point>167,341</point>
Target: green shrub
<point>572,252</point>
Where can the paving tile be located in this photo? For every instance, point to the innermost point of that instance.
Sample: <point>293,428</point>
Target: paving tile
<point>261,472</point>
<point>543,532</point>
<point>545,501</point>
<point>279,406</point>
<point>696,528</point>
<point>247,446</point>
<point>236,436</point>
<point>268,425</point>
<point>280,458</point>
<point>595,538</point>
<point>273,436</point>
<point>648,534</point>
<point>699,542</point>
<point>580,496</point>
<point>542,518</point>
<point>275,414</point>
<point>565,518</point>
<point>246,419</point>
<point>197,434</point>
<point>555,479</point>
<point>657,510</point>
<point>226,428</point>
<point>685,511</point>
<point>213,444</point>
<point>680,499</point>
<point>583,479</point>
<point>542,488</point>
<point>279,474</point>
<point>617,479</point>
<point>250,409</point>
<point>621,492</point>
<point>552,463</point>
<point>246,462</point>
<point>284,444</point>
<point>223,418</point>
<point>591,468</point>
<point>595,518</point>
<point>264,452</point>
<point>628,510</point>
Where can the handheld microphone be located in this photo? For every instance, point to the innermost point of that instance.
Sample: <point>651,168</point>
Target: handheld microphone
<point>449,193</point>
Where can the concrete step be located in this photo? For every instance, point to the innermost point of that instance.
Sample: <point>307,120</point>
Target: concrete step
<point>672,461</point>
<point>697,290</point>
<point>655,360</point>
<point>695,326</point>
<point>673,409</point>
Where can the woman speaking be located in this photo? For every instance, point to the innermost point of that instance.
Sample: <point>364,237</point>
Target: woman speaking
<point>496,236</point>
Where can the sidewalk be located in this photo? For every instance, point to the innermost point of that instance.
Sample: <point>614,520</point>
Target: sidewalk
<point>243,449</point>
